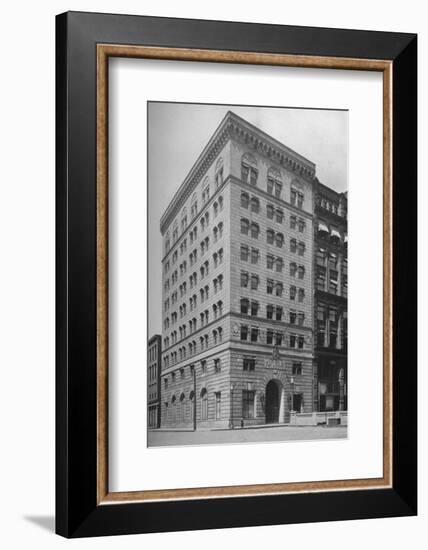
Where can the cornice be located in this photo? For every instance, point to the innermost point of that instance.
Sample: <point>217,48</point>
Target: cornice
<point>235,127</point>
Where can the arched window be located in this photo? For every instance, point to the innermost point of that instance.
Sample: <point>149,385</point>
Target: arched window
<point>245,225</point>
<point>204,404</point>
<point>192,398</point>
<point>175,231</point>
<point>219,172</point>
<point>183,219</point>
<point>194,206</point>
<point>205,190</point>
<point>182,409</point>
<point>249,170</point>
<point>274,182</point>
<point>173,409</point>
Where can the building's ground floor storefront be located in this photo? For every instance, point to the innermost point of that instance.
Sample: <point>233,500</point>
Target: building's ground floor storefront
<point>237,388</point>
<point>331,381</point>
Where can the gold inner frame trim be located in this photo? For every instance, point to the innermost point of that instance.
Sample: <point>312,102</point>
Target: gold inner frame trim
<point>104,52</point>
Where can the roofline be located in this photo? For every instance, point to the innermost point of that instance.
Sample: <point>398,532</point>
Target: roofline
<point>231,117</point>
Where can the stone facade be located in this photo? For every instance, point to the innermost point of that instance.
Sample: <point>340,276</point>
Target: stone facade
<point>238,278</point>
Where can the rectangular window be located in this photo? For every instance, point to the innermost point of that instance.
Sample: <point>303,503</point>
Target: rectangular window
<point>296,369</point>
<point>278,339</point>
<point>244,306</point>
<point>269,337</point>
<point>269,262</point>
<point>254,282</point>
<point>217,365</point>
<point>244,332</point>
<point>254,334</point>
<point>254,308</point>
<point>244,253</point>
<point>249,364</point>
<point>248,403</point>
<point>270,211</point>
<point>217,405</point>
<point>279,289</point>
<point>269,312</point>
<point>279,215</point>
<point>279,313</point>
<point>244,279</point>
<point>269,286</point>
<point>254,255</point>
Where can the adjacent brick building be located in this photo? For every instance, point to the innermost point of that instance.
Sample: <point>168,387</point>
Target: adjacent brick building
<point>238,284</point>
<point>331,298</point>
<point>154,353</point>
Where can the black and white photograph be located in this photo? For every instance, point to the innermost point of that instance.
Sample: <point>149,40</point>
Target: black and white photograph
<point>247,274</point>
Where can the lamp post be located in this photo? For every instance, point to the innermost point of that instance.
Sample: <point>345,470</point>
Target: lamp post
<point>231,407</point>
<point>292,393</point>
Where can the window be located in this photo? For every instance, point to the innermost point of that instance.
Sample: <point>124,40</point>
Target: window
<point>218,405</point>
<point>293,245</point>
<point>293,317</point>
<point>278,189</point>
<point>248,399</point>
<point>301,272</point>
<point>293,222</point>
<point>254,308</point>
<point>204,404</point>
<point>296,369</point>
<point>279,240</point>
<point>217,365</point>
<point>279,289</point>
<point>293,196</point>
<point>244,253</point>
<point>269,236</point>
<point>293,291</point>
<point>300,342</point>
<point>244,279</point>
<point>301,225</point>
<point>249,170</point>
<point>254,334</point>
<point>244,332</point>
<point>254,282</point>
<point>245,199</point>
<point>278,339</point>
<point>278,265</point>
<point>269,337</point>
<point>255,230</point>
<point>245,225</point>
<point>248,364</point>
<point>255,205</point>
<point>300,199</point>
<point>301,318</point>
<point>301,295</point>
<point>254,255</point>
<point>293,340</point>
<point>219,173</point>
<point>269,311</point>
<point>293,269</point>
<point>270,211</point>
<point>194,206</point>
<point>244,306</point>
<point>269,261</point>
<point>301,248</point>
<point>278,313</point>
<point>269,286</point>
<point>279,215</point>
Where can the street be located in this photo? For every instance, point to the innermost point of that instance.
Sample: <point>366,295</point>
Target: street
<point>161,438</point>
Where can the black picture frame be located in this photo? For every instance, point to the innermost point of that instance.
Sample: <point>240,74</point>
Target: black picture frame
<point>77,511</point>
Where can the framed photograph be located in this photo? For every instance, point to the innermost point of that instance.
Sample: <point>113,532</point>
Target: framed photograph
<point>236,274</point>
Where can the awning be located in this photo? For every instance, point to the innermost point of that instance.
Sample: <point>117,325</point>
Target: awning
<point>335,233</point>
<point>322,227</point>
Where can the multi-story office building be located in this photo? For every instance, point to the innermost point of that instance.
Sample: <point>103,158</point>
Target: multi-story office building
<point>154,353</point>
<point>331,298</point>
<point>237,274</point>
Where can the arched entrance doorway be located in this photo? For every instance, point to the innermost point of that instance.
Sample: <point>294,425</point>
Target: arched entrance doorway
<point>273,401</point>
